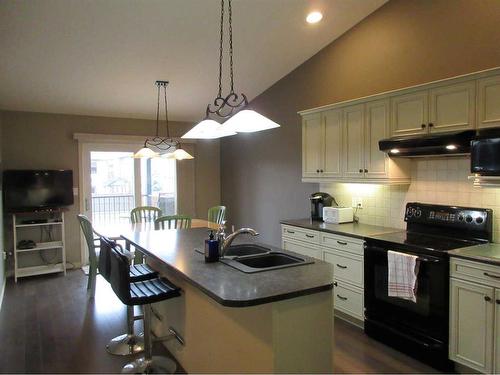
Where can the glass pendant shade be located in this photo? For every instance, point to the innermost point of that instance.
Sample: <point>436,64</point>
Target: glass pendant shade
<point>248,121</point>
<point>207,129</point>
<point>178,154</point>
<point>145,153</point>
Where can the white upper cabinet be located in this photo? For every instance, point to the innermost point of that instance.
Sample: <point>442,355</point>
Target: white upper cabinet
<point>340,142</point>
<point>488,102</point>
<point>376,128</point>
<point>312,145</point>
<point>410,113</point>
<point>353,125</point>
<point>452,107</point>
<point>332,151</point>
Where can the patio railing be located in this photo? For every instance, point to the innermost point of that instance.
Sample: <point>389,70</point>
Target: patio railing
<point>116,208</point>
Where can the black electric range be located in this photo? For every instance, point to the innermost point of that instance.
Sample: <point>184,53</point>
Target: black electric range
<point>420,328</point>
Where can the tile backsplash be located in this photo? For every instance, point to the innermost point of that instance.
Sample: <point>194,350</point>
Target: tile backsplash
<point>434,180</point>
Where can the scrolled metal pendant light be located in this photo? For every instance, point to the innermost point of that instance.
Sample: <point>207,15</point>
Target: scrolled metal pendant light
<point>164,146</point>
<point>233,107</point>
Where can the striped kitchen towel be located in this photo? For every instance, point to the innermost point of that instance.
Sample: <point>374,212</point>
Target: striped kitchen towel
<point>402,278</point>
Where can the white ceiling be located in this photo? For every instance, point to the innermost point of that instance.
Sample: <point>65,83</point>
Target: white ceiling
<point>101,57</point>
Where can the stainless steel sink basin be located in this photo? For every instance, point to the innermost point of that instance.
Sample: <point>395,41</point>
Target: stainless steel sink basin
<point>265,262</point>
<point>245,250</point>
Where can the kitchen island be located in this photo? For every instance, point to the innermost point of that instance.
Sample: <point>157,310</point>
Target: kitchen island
<point>272,321</point>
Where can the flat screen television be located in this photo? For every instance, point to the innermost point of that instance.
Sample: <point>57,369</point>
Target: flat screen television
<point>31,190</point>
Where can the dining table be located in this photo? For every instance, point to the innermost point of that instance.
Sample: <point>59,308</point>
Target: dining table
<point>114,231</point>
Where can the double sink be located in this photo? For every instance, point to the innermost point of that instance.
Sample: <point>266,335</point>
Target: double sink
<point>250,258</point>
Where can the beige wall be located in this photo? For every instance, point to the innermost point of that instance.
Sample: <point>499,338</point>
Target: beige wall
<point>405,42</point>
<point>38,141</point>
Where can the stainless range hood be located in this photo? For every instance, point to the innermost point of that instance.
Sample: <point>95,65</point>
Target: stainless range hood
<point>444,144</point>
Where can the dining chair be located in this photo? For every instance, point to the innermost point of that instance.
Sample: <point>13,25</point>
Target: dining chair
<point>89,233</point>
<point>173,222</point>
<point>144,214</point>
<point>217,214</point>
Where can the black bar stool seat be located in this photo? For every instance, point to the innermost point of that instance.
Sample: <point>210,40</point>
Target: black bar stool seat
<point>140,272</point>
<point>127,343</point>
<point>151,291</point>
<point>142,293</point>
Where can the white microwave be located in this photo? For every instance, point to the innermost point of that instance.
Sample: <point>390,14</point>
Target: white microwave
<point>338,215</point>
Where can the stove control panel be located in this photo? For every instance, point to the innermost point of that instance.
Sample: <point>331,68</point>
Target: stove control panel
<point>451,216</point>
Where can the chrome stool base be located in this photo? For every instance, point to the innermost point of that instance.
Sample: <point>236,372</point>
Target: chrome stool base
<point>155,365</point>
<point>126,344</point>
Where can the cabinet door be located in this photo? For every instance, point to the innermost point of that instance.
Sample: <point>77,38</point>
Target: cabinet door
<point>488,102</point>
<point>497,332</point>
<point>471,325</point>
<point>332,167</point>
<point>376,128</point>
<point>312,145</point>
<point>301,248</point>
<point>410,113</point>
<point>452,107</point>
<point>353,144</point>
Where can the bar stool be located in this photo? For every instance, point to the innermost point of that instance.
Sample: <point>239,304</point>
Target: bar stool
<point>142,293</point>
<point>128,343</point>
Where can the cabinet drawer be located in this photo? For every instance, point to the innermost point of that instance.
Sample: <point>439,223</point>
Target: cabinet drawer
<point>347,267</point>
<point>300,234</point>
<point>301,248</point>
<point>349,300</point>
<point>343,243</point>
<point>475,271</point>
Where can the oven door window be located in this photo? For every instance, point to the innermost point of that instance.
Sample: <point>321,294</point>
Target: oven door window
<point>427,314</point>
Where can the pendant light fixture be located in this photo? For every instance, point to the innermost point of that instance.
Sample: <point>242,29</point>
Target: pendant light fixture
<point>157,145</point>
<point>233,107</point>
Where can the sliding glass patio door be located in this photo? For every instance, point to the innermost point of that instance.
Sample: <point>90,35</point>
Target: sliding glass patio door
<point>113,183</point>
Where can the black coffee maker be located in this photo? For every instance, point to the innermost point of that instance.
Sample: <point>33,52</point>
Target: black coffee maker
<point>318,201</point>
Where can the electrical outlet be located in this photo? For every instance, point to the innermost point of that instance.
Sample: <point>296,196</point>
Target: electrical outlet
<point>357,202</point>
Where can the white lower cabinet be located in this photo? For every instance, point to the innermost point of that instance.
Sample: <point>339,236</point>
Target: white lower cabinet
<point>349,299</point>
<point>475,315</point>
<point>344,253</point>
<point>298,247</point>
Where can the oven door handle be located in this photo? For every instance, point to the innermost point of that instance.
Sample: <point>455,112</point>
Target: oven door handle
<point>421,259</point>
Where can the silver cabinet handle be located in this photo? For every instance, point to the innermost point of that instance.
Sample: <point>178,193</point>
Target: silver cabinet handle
<point>490,275</point>
<point>290,231</point>
<point>342,243</point>
<point>309,236</point>
<point>341,266</point>
<point>342,298</point>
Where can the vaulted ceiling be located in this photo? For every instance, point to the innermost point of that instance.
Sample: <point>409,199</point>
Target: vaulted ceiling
<point>101,57</point>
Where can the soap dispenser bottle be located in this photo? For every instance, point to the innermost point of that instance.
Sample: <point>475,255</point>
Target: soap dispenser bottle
<point>211,248</point>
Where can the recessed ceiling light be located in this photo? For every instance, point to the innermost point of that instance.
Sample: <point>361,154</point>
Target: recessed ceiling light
<point>451,147</point>
<point>314,17</point>
<point>394,151</point>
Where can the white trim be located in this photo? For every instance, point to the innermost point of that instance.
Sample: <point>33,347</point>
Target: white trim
<point>2,292</point>
<point>137,140</point>
<point>386,94</point>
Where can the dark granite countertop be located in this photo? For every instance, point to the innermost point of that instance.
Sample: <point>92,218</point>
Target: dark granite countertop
<point>355,230</point>
<point>487,253</point>
<point>226,285</point>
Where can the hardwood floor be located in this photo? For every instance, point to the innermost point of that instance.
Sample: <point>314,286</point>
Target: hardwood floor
<point>47,325</point>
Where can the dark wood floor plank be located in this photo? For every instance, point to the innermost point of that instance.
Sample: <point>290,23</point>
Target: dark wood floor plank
<point>48,325</point>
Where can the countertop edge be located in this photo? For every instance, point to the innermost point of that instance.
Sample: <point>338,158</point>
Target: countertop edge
<point>235,303</point>
<point>476,258</point>
<point>286,222</point>
<point>291,222</point>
